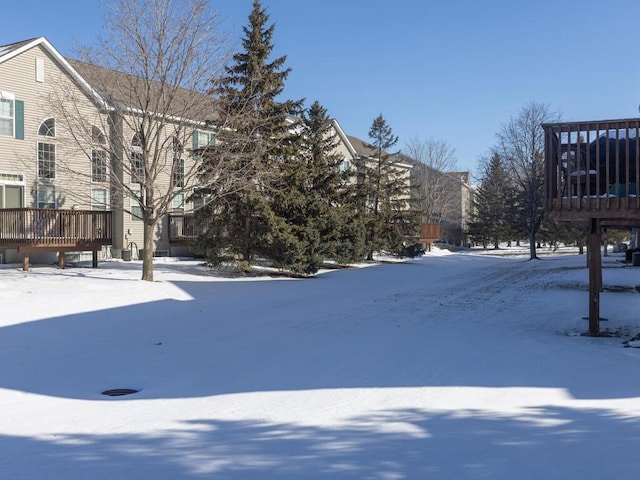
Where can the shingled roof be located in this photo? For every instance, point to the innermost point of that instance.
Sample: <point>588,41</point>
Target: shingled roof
<point>11,47</point>
<point>366,150</point>
<point>130,91</point>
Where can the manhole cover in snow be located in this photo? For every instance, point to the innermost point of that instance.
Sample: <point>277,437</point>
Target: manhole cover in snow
<point>119,392</point>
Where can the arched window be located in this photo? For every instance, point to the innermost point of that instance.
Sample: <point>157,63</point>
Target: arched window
<point>47,150</point>
<point>47,128</point>
<point>97,136</point>
<point>137,139</point>
<point>98,156</point>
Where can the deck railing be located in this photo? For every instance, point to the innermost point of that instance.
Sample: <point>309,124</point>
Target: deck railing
<point>182,228</point>
<point>592,169</point>
<point>47,227</point>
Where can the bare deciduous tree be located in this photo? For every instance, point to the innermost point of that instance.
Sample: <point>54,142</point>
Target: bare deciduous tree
<point>151,74</point>
<point>521,144</point>
<point>434,190</point>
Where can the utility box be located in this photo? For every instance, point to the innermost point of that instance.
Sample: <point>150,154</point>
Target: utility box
<point>126,255</point>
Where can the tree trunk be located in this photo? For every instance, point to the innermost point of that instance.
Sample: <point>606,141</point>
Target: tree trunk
<point>532,247</point>
<point>147,260</point>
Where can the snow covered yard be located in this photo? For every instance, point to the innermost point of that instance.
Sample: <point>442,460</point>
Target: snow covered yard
<point>448,366</point>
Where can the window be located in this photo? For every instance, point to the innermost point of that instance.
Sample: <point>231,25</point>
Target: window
<point>203,139</point>
<point>135,208</point>
<point>46,160</point>
<point>11,196</point>
<point>11,190</point>
<point>7,114</point>
<point>177,203</point>
<point>344,166</point>
<point>137,168</point>
<point>98,166</point>
<point>178,148</point>
<point>47,128</point>
<point>46,196</point>
<point>178,172</point>
<point>98,199</point>
<point>97,138</point>
<point>137,159</point>
<point>11,116</point>
<point>98,156</point>
<point>138,140</point>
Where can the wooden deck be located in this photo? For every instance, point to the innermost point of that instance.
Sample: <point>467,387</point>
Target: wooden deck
<point>429,233</point>
<point>182,229</point>
<point>54,230</point>
<point>592,175</point>
<point>592,171</point>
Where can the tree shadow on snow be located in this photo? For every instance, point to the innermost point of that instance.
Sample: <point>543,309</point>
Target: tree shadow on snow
<point>335,332</point>
<point>550,443</point>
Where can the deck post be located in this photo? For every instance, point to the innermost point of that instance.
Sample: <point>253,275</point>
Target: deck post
<point>25,262</point>
<point>94,258</point>
<point>61,260</point>
<point>595,276</point>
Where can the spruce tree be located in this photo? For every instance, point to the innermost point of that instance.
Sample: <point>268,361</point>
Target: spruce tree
<point>340,233</point>
<point>384,194</point>
<point>494,203</point>
<point>255,136</point>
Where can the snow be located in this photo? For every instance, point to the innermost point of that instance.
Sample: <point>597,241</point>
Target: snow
<point>455,365</point>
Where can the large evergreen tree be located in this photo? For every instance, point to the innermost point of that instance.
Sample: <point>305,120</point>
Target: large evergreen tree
<point>257,137</point>
<point>493,203</point>
<point>384,194</point>
<point>340,232</point>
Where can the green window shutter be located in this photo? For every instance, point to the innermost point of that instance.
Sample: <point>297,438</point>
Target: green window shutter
<point>19,105</point>
<point>195,140</point>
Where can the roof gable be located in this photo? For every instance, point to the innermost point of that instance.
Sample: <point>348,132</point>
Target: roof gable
<point>12,50</point>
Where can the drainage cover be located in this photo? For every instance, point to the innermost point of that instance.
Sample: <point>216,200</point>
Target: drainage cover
<point>118,392</point>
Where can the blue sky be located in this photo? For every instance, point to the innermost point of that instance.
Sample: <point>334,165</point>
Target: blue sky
<point>453,71</point>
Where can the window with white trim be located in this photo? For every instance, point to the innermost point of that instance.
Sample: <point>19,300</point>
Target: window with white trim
<point>98,199</point>
<point>177,203</point>
<point>46,150</point>
<point>46,196</point>
<point>98,156</point>
<point>98,165</point>
<point>47,128</point>
<point>344,165</point>
<point>46,160</point>
<point>202,139</point>
<point>137,159</point>
<point>7,113</point>
<point>178,172</point>
<point>11,190</point>
<point>134,206</point>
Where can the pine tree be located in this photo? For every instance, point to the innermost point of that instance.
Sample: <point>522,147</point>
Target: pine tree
<point>384,194</point>
<point>257,136</point>
<point>493,203</point>
<point>341,235</point>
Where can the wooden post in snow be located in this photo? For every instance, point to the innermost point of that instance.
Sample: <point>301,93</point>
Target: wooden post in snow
<point>595,276</point>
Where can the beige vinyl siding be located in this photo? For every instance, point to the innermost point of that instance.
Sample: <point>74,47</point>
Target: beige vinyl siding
<point>134,229</point>
<point>73,165</point>
<point>18,76</point>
